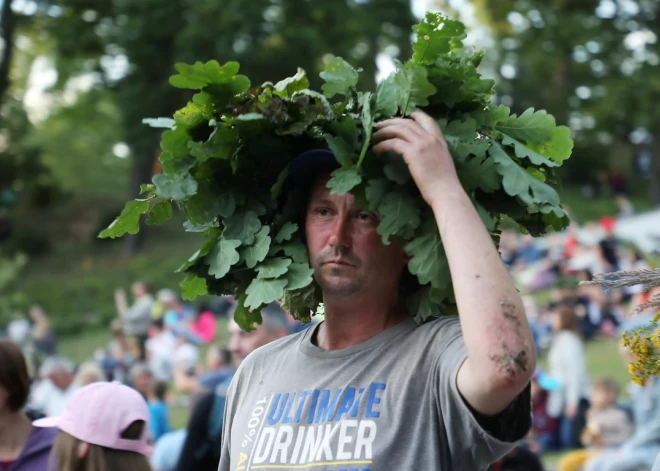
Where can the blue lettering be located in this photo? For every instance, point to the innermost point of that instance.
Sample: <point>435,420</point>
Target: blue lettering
<point>287,418</point>
<point>274,417</point>
<point>312,407</point>
<point>346,403</point>
<point>373,400</point>
<point>356,404</point>
<point>326,406</point>
<point>303,397</point>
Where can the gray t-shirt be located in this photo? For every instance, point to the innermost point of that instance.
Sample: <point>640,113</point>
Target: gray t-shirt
<point>390,403</point>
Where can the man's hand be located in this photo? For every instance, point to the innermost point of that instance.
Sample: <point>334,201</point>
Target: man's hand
<point>420,142</point>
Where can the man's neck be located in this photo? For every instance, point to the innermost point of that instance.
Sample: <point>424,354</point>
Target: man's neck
<point>351,322</point>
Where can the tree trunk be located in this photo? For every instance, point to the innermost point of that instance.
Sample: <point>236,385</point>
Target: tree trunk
<point>654,184</point>
<point>7,26</point>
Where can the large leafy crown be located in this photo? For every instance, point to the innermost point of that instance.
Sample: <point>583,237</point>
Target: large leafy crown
<point>225,157</point>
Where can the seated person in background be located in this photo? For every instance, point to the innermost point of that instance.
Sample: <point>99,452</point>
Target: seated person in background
<point>642,448</point>
<point>608,426</point>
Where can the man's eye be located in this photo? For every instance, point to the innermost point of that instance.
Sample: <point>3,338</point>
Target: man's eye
<point>322,212</point>
<point>365,216</point>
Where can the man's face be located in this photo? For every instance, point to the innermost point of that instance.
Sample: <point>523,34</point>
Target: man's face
<point>62,379</point>
<point>242,343</point>
<point>347,254</point>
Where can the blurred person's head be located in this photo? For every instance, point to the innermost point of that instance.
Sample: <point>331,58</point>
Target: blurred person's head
<point>38,315</point>
<point>217,358</point>
<point>608,224</point>
<point>88,373</point>
<point>157,326</point>
<point>168,299</point>
<point>604,393</point>
<point>103,428</point>
<point>565,319</point>
<point>159,391</point>
<point>14,378</point>
<point>274,325</point>
<point>140,288</point>
<point>142,378</point>
<point>59,371</point>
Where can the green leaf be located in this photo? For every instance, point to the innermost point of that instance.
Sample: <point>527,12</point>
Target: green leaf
<point>346,129</point>
<point>558,148</point>
<point>339,77</point>
<point>480,172</point>
<point>175,186</point>
<point>175,142</point>
<point>159,213</point>
<point>388,96</point>
<point>263,291</point>
<point>242,227</point>
<point>536,127</point>
<point>200,253</point>
<point>522,152</point>
<point>276,189</point>
<point>367,120</point>
<point>245,317</point>
<point>376,190</point>
<point>198,76</point>
<point>435,36</point>
<point>286,231</point>
<point>192,286</point>
<point>399,216</point>
<point>258,251</point>
<point>128,220</point>
<point>287,87</point>
<point>397,169</point>
<point>273,267</point>
<point>343,180</point>
<point>428,261</point>
<point>222,257</point>
<point>192,115</point>
<point>298,276</point>
<point>297,251</point>
<point>414,88</point>
<point>486,218</point>
<point>147,188</point>
<point>344,152</point>
<point>518,182</point>
<point>222,144</point>
<point>492,115</point>
<point>462,139</point>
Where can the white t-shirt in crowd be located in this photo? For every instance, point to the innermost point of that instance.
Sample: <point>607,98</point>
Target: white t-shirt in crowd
<point>49,398</point>
<point>160,349</point>
<point>186,357</point>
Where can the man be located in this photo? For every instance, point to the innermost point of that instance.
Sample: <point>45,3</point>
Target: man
<point>136,319</point>
<point>367,388</point>
<point>56,386</point>
<point>201,451</point>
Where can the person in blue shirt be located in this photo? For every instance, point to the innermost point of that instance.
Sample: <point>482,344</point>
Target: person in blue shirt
<point>159,422</point>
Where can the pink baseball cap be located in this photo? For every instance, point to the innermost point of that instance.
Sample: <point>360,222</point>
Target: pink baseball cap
<point>98,414</point>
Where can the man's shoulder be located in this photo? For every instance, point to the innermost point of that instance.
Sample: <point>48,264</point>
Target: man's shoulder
<point>280,346</point>
<point>443,326</point>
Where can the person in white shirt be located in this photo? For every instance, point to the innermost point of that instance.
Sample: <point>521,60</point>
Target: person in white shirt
<point>55,388</point>
<point>160,352</point>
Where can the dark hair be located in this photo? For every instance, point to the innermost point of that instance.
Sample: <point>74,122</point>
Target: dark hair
<point>160,389</point>
<point>14,377</point>
<point>568,320</point>
<point>158,323</point>
<point>225,356</point>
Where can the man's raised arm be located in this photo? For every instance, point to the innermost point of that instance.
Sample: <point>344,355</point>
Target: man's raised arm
<point>500,348</point>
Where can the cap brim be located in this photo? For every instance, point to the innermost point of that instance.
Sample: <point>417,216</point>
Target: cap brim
<point>304,168</point>
<point>47,422</point>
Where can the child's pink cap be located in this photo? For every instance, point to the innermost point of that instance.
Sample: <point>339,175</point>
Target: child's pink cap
<point>98,414</point>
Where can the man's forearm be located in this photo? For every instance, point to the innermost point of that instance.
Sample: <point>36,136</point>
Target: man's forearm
<point>497,335</point>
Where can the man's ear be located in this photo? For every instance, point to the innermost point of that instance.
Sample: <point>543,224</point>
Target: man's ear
<point>83,449</point>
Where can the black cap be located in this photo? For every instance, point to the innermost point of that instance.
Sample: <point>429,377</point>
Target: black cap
<point>304,168</point>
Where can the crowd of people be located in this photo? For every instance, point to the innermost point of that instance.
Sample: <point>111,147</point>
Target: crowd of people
<point>155,356</point>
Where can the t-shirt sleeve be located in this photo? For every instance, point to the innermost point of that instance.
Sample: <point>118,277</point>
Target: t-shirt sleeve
<point>475,440</point>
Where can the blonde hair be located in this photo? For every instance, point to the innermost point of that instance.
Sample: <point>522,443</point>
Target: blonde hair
<point>98,458</point>
<point>89,368</point>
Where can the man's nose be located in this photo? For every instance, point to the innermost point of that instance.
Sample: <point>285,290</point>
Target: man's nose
<point>341,232</point>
